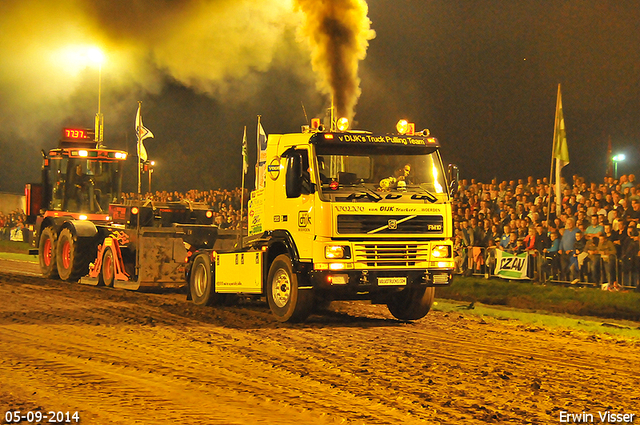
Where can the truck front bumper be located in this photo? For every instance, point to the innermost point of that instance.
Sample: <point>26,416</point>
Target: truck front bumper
<point>376,279</point>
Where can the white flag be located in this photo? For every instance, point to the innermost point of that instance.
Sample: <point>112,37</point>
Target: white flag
<point>245,158</point>
<point>142,133</point>
<point>262,156</point>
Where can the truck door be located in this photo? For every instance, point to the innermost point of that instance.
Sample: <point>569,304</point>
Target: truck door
<point>297,211</point>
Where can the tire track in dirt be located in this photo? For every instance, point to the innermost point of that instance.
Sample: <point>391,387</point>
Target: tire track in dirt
<point>119,342</point>
<point>600,380</point>
<point>353,364</point>
<point>160,360</point>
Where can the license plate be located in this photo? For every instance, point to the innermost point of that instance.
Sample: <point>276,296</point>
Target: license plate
<point>392,281</point>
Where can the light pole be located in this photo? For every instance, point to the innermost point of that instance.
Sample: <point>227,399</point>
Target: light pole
<point>96,56</point>
<point>616,159</point>
<point>151,164</point>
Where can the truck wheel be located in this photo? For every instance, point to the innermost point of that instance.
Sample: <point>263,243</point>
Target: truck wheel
<point>411,303</point>
<point>108,271</point>
<point>201,282</point>
<point>286,301</point>
<point>72,256</point>
<point>47,253</point>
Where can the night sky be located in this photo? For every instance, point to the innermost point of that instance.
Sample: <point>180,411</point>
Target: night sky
<point>481,75</point>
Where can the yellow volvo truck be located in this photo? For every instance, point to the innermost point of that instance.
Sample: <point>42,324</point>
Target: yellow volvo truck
<point>340,216</point>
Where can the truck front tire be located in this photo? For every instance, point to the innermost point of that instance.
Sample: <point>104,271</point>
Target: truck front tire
<point>411,303</point>
<point>286,301</point>
<point>47,253</point>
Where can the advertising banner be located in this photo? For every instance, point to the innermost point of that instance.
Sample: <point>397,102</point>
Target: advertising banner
<point>511,266</point>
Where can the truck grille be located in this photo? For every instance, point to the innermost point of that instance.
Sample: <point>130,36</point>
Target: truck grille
<point>389,224</point>
<point>392,254</point>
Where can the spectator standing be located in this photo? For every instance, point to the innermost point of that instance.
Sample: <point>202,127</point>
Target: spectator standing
<point>580,255</point>
<point>594,229</point>
<point>593,260</point>
<point>629,256</point>
<point>552,256</point>
<point>566,248</point>
<point>607,252</point>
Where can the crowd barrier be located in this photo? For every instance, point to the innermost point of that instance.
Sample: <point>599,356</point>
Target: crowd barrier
<point>543,267</point>
<point>16,234</point>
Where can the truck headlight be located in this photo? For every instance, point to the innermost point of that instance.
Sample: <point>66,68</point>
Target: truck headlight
<point>337,251</point>
<point>441,251</point>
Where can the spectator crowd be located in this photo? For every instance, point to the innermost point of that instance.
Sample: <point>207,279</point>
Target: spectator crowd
<point>225,204</point>
<point>592,237</point>
<point>12,226</point>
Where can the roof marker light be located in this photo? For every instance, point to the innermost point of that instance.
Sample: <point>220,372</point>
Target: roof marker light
<point>402,126</point>
<point>343,124</point>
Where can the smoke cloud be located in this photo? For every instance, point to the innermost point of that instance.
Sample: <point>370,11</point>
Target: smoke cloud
<point>46,75</point>
<point>338,32</point>
<point>216,47</point>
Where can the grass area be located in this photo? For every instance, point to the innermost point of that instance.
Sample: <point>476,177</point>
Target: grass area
<point>623,329</point>
<point>18,256</point>
<point>17,247</point>
<point>549,298</point>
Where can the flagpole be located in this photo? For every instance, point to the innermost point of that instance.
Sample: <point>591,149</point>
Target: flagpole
<point>553,157</point>
<point>138,131</point>
<point>244,139</point>
<point>138,231</point>
<point>258,177</point>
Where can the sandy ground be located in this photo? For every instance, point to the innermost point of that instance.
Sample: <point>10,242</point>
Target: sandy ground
<point>119,357</point>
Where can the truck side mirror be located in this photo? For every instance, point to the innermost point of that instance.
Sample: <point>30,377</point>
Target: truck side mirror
<point>293,179</point>
<point>454,176</point>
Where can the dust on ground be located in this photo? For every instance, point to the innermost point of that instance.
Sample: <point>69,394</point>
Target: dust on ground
<point>154,358</point>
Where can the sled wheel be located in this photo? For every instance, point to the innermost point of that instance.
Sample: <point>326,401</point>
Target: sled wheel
<point>108,271</point>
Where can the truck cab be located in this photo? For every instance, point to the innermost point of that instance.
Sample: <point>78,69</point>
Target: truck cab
<point>345,216</point>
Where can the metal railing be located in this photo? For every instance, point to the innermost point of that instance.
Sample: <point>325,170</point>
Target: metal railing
<point>592,270</point>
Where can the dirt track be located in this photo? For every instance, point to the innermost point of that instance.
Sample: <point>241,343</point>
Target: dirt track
<point>120,357</point>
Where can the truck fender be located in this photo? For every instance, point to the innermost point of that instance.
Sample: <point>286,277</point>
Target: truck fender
<point>79,227</point>
<point>82,228</point>
<point>281,238</point>
<point>282,242</point>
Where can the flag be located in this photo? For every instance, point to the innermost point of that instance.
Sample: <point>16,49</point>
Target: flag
<point>245,157</point>
<point>262,143</point>
<point>142,133</point>
<point>262,156</point>
<point>560,148</point>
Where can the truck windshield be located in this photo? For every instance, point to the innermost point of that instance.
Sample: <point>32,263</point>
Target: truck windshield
<point>82,185</point>
<point>382,172</point>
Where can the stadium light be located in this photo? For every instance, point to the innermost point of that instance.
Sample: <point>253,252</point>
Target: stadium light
<point>616,159</point>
